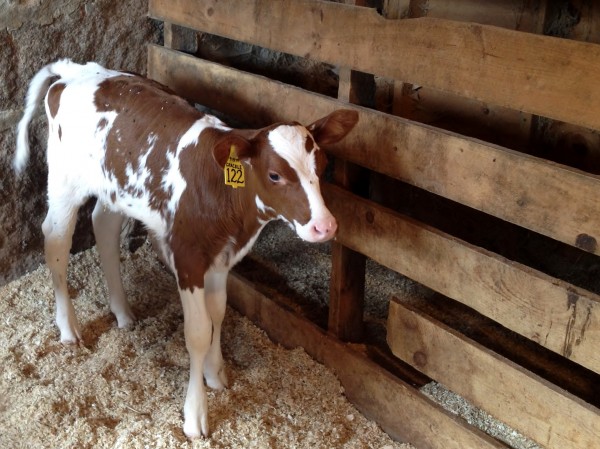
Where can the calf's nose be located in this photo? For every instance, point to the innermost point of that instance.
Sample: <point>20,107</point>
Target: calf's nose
<point>325,228</point>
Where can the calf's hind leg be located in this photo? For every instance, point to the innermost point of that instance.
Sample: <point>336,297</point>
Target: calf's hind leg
<point>107,229</point>
<point>58,230</point>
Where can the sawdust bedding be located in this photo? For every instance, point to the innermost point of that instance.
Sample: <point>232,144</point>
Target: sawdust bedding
<point>125,388</point>
<point>306,280</point>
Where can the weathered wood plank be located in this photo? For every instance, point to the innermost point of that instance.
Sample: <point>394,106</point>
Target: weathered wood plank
<point>403,412</point>
<point>538,409</point>
<point>557,315</point>
<point>508,68</point>
<point>514,187</point>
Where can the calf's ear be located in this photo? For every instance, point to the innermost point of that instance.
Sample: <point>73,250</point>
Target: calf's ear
<point>333,127</point>
<point>222,148</point>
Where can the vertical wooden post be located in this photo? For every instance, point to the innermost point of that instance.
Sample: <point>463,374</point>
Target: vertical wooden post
<point>398,9</point>
<point>346,299</point>
<point>347,287</point>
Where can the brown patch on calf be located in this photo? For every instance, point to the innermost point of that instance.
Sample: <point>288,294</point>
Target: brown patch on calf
<point>320,162</point>
<point>309,144</point>
<point>54,94</point>
<point>210,213</point>
<point>144,108</point>
<point>102,124</point>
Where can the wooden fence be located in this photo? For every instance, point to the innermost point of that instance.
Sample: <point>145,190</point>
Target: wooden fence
<point>526,74</point>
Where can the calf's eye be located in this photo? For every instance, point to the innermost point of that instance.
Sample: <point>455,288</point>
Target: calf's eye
<point>274,177</point>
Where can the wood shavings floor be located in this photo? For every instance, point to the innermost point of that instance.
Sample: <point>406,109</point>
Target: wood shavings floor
<point>125,388</point>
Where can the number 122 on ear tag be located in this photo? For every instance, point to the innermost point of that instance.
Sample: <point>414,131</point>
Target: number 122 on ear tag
<point>234,170</point>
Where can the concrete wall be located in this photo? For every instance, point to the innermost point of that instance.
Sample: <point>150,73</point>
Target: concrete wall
<point>33,33</point>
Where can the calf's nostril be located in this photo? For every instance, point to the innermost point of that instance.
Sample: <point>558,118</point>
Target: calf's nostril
<point>325,228</point>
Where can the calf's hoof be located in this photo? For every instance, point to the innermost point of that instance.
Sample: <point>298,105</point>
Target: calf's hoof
<point>218,381</point>
<point>70,335</point>
<point>196,428</point>
<point>125,320</point>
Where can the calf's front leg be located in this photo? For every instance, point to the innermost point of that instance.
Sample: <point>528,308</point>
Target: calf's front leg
<point>198,331</point>
<point>215,283</point>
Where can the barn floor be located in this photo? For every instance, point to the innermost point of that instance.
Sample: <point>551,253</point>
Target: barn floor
<point>301,271</point>
<point>125,388</point>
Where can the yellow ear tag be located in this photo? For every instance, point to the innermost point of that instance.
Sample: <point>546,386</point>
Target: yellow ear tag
<point>234,170</point>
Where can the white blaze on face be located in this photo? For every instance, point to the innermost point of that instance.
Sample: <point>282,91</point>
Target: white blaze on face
<point>289,142</point>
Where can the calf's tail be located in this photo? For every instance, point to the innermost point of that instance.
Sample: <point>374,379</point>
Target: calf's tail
<point>37,90</point>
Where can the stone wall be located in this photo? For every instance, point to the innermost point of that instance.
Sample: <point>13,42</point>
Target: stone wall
<point>32,34</point>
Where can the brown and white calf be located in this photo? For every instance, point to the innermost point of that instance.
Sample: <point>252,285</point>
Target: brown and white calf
<point>147,154</point>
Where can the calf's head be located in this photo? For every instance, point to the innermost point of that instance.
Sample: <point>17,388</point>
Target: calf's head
<point>283,165</point>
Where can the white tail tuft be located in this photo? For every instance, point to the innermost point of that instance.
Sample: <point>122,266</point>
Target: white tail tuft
<point>37,90</point>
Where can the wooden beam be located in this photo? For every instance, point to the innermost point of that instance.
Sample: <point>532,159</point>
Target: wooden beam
<point>553,313</point>
<point>548,198</point>
<point>538,409</point>
<point>395,10</point>
<point>403,412</point>
<point>347,292</point>
<point>347,286</point>
<point>508,68</point>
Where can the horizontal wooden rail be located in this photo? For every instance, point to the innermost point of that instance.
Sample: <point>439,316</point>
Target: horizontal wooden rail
<point>524,401</point>
<point>509,185</point>
<point>554,314</point>
<point>508,68</point>
<point>400,409</point>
